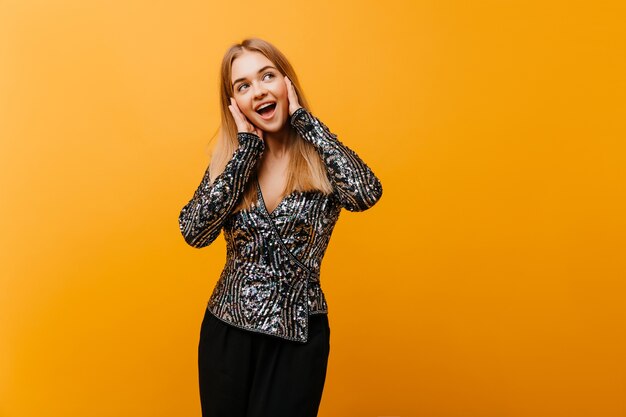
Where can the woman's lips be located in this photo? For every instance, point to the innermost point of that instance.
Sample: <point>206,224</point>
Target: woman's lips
<point>267,116</point>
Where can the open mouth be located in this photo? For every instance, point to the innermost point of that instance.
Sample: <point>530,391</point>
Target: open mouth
<point>267,111</point>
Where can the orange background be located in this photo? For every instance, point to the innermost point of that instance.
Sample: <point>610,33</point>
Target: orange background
<point>488,281</point>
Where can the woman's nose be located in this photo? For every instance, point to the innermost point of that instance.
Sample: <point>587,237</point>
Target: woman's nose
<point>259,89</point>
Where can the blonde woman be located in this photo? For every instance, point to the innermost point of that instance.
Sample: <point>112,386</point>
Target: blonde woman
<point>275,185</point>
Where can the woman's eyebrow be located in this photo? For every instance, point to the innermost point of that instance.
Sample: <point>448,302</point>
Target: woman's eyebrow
<point>258,72</point>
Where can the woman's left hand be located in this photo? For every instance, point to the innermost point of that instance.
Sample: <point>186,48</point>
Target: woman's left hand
<point>292,95</point>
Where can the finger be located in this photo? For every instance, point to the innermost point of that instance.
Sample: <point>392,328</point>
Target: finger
<point>236,110</point>
<point>236,107</point>
<point>240,122</point>
<point>233,104</point>
<point>247,123</point>
<point>289,84</point>
<point>294,93</point>
<point>236,116</point>
<point>290,91</point>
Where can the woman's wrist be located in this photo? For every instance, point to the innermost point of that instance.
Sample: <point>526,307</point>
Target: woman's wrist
<point>296,113</point>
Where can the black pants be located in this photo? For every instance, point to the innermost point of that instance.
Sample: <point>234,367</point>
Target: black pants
<point>248,374</point>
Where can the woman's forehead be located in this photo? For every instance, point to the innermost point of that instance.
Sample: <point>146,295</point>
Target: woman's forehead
<point>248,64</point>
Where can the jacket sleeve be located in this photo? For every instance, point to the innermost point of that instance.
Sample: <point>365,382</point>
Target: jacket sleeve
<point>201,219</point>
<point>354,182</point>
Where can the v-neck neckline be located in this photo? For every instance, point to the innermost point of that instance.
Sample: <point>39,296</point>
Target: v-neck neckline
<point>262,200</point>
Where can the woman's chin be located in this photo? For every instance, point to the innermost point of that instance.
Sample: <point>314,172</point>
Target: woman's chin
<point>274,125</point>
<point>271,129</point>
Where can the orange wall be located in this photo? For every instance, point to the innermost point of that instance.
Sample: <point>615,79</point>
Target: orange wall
<point>487,282</point>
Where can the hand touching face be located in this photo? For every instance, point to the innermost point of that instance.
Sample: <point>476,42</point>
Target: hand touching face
<point>242,122</point>
<point>292,96</point>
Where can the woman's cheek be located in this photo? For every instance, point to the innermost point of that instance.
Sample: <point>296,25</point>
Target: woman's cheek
<point>246,110</point>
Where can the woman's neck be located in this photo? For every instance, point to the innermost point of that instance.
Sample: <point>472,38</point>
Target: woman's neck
<point>277,143</point>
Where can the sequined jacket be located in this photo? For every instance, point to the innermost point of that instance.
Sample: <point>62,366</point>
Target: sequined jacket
<point>271,280</point>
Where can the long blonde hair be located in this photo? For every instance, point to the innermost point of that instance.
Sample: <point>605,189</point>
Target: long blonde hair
<point>306,170</point>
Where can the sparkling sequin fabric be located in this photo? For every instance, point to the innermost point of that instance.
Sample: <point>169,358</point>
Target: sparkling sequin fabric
<point>271,282</point>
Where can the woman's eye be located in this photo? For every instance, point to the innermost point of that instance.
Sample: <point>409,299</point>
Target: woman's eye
<point>264,76</point>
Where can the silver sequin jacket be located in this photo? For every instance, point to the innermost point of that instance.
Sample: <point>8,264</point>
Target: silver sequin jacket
<point>271,283</point>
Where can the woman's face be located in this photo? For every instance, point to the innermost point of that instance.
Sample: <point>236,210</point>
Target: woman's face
<point>256,81</point>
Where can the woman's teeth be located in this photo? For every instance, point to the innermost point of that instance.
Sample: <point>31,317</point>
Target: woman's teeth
<point>267,111</point>
<point>266,105</point>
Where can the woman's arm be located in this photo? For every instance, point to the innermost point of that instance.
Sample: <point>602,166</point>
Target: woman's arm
<point>201,219</point>
<point>355,184</point>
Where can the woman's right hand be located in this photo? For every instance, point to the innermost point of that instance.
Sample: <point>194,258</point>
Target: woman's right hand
<point>242,122</point>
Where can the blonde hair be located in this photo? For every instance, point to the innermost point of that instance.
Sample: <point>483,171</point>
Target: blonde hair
<point>306,170</point>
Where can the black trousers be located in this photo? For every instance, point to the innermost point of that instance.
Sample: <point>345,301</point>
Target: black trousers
<point>248,374</point>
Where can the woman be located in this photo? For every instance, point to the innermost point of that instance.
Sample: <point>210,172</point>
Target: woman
<point>275,185</point>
